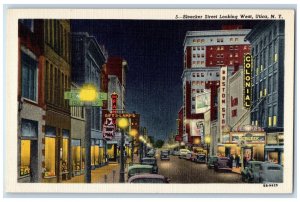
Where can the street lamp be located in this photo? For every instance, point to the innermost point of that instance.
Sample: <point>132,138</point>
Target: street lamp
<point>207,142</point>
<point>122,123</point>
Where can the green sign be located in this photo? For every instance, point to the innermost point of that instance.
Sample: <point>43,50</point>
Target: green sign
<point>74,100</point>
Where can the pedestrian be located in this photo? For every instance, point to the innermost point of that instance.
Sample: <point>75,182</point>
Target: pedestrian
<point>231,160</point>
<point>237,160</point>
<point>245,161</point>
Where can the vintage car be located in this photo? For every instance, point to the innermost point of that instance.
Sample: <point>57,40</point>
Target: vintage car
<point>148,178</point>
<point>151,153</point>
<point>139,169</point>
<point>211,161</point>
<point>262,172</point>
<point>150,161</point>
<point>222,163</point>
<point>200,158</point>
<point>164,155</point>
<point>175,153</point>
<point>183,153</point>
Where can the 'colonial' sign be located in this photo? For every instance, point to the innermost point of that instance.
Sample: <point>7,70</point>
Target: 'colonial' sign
<point>247,80</point>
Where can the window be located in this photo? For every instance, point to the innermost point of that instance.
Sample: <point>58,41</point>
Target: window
<point>231,39</point>
<point>76,155</point>
<point>28,23</point>
<point>236,48</point>
<point>230,47</point>
<point>49,170</point>
<point>25,157</point>
<point>202,74</point>
<point>234,113</point>
<point>222,47</point>
<point>198,55</point>
<point>217,74</point>
<point>236,39</point>
<point>202,47</point>
<point>245,47</point>
<point>230,55</point>
<point>202,55</point>
<point>194,48</point>
<point>202,62</point>
<point>198,91</point>
<point>202,40</point>
<point>193,98</point>
<point>194,55</point>
<point>198,48</point>
<point>193,106</point>
<point>275,82</point>
<point>197,74</point>
<point>231,62</point>
<point>210,62</point>
<point>194,74</point>
<point>275,31</point>
<point>236,55</point>
<point>29,77</point>
<point>64,166</point>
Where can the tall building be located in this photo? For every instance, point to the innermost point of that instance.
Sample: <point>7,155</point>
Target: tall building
<point>31,110</point>
<point>57,77</point>
<point>267,41</point>
<point>204,53</point>
<point>116,73</point>
<point>88,59</point>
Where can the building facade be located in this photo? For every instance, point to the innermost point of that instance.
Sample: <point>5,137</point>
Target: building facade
<point>31,110</point>
<point>57,71</point>
<point>204,53</point>
<point>267,41</point>
<point>88,59</point>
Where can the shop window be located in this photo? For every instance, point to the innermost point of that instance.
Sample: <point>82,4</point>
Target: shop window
<point>49,170</point>
<point>76,155</point>
<point>64,166</point>
<point>25,157</point>
<point>29,77</point>
<point>83,159</point>
<point>101,155</point>
<point>273,157</point>
<point>97,154</point>
<point>93,155</point>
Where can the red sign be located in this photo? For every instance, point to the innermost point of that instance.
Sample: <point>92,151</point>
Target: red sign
<point>114,98</point>
<point>178,138</point>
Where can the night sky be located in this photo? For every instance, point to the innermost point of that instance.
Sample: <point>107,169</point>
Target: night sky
<point>154,52</point>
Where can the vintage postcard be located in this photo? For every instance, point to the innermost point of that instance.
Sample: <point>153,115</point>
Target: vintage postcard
<point>149,101</point>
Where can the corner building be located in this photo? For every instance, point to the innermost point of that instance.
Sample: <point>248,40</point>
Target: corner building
<point>267,41</point>
<point>204,53</point>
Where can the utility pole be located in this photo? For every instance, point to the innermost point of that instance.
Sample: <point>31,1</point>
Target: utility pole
<point>87,171</point>
<point>122,167</point>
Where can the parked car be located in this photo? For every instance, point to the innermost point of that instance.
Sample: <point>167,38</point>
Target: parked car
<point>200,158</point>
<point>183,152</point>
<point>151,153</point>
<point>139,169</point>
<point>164,155</point>
<point>150,161</point>
<point>262,172</point>
<point>194,156</point>
<point>222,163</point>
<point>148,178</point>
<point>188,155</point>
<point>175,153</point>
<point>211,161</point>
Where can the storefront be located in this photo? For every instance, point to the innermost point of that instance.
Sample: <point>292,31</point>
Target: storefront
<point>95,153</point>
<point>49,169</point>
<point>274,151</point>
<point>65,156</point>
<point>102,153</point>
<point>28,151</point>
<point>112,151</point>
<point>245,146</point>
<point>76,157</point>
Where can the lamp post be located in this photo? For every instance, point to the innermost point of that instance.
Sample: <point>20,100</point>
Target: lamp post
<point>132,133</point>
<point>207,141</point>
<point>122,123</point>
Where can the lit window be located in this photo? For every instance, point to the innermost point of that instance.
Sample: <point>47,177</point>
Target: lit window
<point>202,62</point>
<point>210,62</point>
<point>230,55</point>
<point>245,47</point>
<point>49,157</point>
<point>275,57</point>
<point>202,40</point>
<point>211,55</point>
<point>222,47</point>
<point>270,121</point>
<point>231,62</point>
<point>76,156</point>
<point>236,55</point>
<point>64,166</point>
<point>274,120</point>
<point>198,40</point>
<point>25,157</point>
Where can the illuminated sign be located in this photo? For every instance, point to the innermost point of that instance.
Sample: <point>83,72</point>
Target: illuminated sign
<point>108,129</point>
<point>248,138</point>
<point>74,99</point>
<point>114,98</point>
<point>203,102</point>
<point>223,96</point>
<point>247,80</point>
<point>197,128</point>
<point>120,115</point>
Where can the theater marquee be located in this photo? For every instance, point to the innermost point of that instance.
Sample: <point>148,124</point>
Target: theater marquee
<point>247,80</point>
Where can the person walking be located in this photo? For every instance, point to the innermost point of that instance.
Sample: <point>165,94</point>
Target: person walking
<point>231,160</point>
<point>237,160</point>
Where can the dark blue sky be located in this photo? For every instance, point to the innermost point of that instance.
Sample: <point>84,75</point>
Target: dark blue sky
<point>154,52</point>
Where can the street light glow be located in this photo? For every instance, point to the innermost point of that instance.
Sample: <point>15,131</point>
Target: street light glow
<point>123,123</point>
<point>88,93</point>
<point>133,132</point>
<point>207,139</point>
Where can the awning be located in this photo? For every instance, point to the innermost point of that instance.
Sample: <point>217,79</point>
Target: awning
<point>273,147</point>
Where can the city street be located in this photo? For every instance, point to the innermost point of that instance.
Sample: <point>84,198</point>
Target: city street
<point>185,171</point>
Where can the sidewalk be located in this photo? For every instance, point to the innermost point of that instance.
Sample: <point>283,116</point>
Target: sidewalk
<point>98,175</point>
<point>106,174</point>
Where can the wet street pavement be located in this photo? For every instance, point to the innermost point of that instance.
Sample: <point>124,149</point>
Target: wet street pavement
<point>185,171</point>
